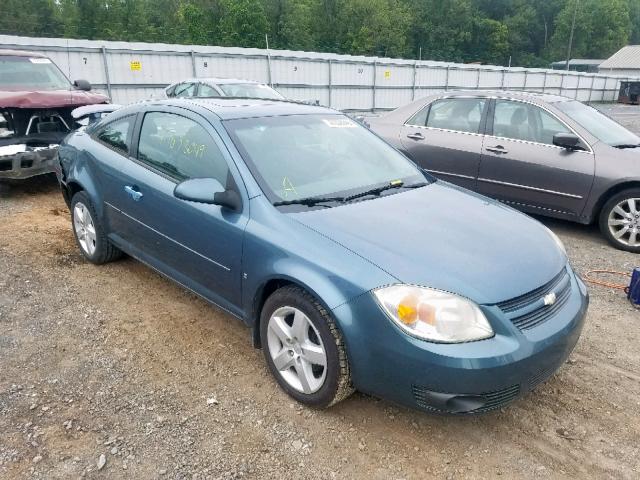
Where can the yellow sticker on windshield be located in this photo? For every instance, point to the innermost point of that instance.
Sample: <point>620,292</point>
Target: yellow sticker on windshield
<point>287,187</point>
<point>339,122</point>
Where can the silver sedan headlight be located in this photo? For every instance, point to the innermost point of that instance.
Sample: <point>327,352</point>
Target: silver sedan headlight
<point>433,315</point>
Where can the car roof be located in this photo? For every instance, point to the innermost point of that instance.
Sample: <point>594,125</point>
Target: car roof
<point>20,53</point>
<point>227,108</point>
<point>517,94</point>
<point>219,81</point>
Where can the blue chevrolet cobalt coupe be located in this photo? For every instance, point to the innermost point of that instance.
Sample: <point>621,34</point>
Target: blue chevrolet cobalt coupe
<point>353,268</point>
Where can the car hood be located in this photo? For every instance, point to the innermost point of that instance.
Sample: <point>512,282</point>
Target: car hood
<point>49,98</point>
<point>447,238</point>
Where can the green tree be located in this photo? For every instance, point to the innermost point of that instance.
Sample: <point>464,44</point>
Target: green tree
<point>373,27</point>
<point>243,23</point>
<point>602,27</point>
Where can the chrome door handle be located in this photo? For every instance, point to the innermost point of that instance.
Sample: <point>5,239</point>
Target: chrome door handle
<point>415,136</point>
<point>133,192</point>
<point>497,149</point>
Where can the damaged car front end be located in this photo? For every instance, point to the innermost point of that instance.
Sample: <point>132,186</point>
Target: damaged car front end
<point>36,104</point>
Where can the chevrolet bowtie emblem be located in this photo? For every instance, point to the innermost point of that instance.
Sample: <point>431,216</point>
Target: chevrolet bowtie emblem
<point>550,298</point>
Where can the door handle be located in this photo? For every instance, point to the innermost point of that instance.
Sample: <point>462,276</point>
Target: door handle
<point>133,192</point>
<point>415,136</point>
<point>497,149</point>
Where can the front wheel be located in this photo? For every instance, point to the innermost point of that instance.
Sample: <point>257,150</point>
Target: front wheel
<point>89,232</point>
<point>304,349</point>
<point>620,220</point>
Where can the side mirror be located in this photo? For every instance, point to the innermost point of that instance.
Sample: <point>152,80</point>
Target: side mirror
<point>567,140</point>
<point>83,85</point>
<point>208,190</point>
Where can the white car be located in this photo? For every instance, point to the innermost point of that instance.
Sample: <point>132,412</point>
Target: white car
<point>221,87</point>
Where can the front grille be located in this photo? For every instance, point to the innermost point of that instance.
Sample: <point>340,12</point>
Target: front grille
<point>541,376</point>
<point>530,310</point>
<point>493,400</point>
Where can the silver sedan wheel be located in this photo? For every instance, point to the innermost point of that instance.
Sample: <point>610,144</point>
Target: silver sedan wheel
<point>84,228</point>
<point>297,350</point>
<point>624,222</point>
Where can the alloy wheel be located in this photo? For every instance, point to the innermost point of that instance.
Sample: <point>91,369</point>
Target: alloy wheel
<point>84,228</point>
<point>297,350</point>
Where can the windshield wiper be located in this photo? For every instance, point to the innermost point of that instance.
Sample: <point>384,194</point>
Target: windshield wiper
<point>627,145</point>
<point>379,190</point>
<point>309,201</point>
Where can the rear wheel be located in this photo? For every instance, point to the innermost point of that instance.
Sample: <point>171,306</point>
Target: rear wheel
<point>304,349</point>
<point>620,220</point>
<point>89,233</point>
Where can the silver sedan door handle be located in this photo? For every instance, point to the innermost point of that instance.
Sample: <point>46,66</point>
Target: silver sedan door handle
<point>497,149</point>
<point>415,136</point>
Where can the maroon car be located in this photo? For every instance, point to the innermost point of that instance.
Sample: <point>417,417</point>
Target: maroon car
<point>36,100</point>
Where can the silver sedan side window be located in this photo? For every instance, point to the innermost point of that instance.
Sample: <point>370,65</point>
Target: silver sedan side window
<point>459,114</point>
<point>523,121</point>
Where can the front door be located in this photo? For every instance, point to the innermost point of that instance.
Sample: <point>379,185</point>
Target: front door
<point>521,166</point>
<point>445,138</point>
<point>199,245</point>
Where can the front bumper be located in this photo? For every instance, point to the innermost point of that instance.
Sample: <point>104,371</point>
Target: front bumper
<point>471,377</point>
<point>22,161</point>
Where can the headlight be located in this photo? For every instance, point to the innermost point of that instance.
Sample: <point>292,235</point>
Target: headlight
<point>558,241</point>
<point>433,315</point>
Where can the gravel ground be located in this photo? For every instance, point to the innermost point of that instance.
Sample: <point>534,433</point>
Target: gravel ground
<point>115,372</point>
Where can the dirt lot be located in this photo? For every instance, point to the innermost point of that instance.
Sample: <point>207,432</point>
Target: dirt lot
<point>117,361</point>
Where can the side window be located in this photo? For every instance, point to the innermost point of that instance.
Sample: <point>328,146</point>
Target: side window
<point>207,91</point>
<point>180,148</point>
<point>460,114</point>
<point>170,91</point>
<point>116,134</point>
<point>420,118</point>
<point>523,121</point>
<point>550,126</point>
<point>184,90</point>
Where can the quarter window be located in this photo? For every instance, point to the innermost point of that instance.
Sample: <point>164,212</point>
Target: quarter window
<point>460,114</point>
<point>116,134</point>
<point>420,118</point>
<point>207,91</point>
<point>523,121</point>
<point>180,148</point>
<point>184,90</point>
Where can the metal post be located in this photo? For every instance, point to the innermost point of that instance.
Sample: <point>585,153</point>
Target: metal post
<point>593,81</point>
<point>446,80</point>
<point>561,82</point>
<point>106,71</point>
<point>524,85</point>
<point>330,82</point>
<point>415,74</point>
<point>373,86</point>
<point>544,82</point>
<point>573,27</point>
<point>193,63</point>
<point>266,37</point>
<point>504,73</point>
<point>478,80</point>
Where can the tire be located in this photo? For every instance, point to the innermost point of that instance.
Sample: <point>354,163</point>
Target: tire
<point>620,220</point>
<point>89,231</point>
<point>307,382</point>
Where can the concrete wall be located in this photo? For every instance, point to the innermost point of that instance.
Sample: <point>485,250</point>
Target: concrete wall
<point>128,72</point>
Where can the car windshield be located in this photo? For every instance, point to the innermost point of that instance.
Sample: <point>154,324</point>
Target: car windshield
<point>318,156</point>
<point>31,73</point>
<point>598,124</point>
<point>249,90</point>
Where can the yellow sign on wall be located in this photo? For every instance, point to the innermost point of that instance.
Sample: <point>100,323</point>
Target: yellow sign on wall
<point>387,74</point>
<point>135,65</point>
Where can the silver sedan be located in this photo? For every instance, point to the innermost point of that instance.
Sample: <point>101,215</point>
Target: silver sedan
<point>543,154</point>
